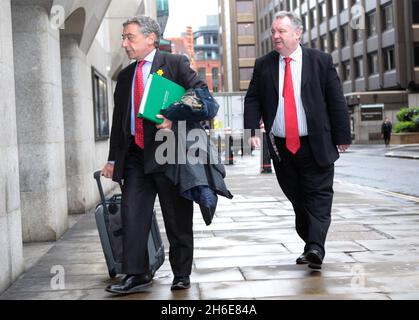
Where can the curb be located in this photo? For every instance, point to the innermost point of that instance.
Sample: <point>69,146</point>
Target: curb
<point>402,156</point>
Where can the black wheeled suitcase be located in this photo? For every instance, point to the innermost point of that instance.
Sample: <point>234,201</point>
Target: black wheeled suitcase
<point>109,224</point>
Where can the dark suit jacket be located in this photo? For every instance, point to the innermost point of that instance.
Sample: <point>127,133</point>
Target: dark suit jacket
<point>322,97</point>
<point>175,68</point>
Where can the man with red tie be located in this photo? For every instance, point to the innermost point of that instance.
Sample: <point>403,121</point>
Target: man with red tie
<point>132,159</point>
<point>298,94</point>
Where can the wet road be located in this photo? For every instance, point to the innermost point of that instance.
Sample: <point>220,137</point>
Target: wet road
<point>367,165</point>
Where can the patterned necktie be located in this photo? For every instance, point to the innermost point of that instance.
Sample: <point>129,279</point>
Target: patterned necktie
<point>292,137</point>
<point>138,94</point>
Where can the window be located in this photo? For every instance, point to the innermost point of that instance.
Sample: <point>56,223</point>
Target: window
<point>215,79</point>
<point>100,105</point>
<point>324,43</point>
<point>373,63</point>
<point>334,42</point>
<point>245,29</point>
<point>304,20</point>
<point>202,74</point>
<point>416,54</point>
<point>209,39</point>
<point>371,25</point>
<point>246,74</point>
<point>415,11</point>
<point>358,34</point>
<point>389,62</point>
<point>199,41</point>
<point>344,5</point>
<point>247,51</point>
<point>332,8</point>
<point>313,17</point>
<point>388,21</point>
<point>344,35</point>
<point>322,12</point>
<point>199,55</point>
<point>336,66</point>
<point>346,70</point>
<point>244,6</point>
<point>359,64</point>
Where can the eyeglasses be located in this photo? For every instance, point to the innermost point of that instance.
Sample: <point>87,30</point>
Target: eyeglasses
<point>128,36</point>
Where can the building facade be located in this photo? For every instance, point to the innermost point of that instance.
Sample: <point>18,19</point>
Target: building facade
<point>206,54</point>
<point>375,49</point>
<point>238,34</point>
<point>184,45</point>
<point>58,60</point>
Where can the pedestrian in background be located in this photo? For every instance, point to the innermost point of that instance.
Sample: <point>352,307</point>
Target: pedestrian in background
<point>298,94</point>
<point>386,129</point>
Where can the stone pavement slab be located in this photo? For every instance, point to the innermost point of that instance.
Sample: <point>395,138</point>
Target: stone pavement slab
<point>249,250</point>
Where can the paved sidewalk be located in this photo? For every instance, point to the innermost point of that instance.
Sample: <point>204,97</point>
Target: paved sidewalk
<point>249,251</point>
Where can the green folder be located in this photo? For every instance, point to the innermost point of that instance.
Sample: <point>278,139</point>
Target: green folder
<point>159,93</point>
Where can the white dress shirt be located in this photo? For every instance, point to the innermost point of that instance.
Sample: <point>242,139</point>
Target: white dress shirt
<point>146,71</point>
<point>278,127</point>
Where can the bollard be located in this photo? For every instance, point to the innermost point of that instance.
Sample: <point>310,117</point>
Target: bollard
<point>229,149</point>
<point>266,166</point>
<point>219,147</point>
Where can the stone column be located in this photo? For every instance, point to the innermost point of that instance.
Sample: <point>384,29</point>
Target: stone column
<point>11,261</point>
<point>39,112</point>
<point>78,124</point>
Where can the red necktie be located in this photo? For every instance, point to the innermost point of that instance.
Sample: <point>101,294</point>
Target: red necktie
<point>292,137</point>
<point>138,94</point>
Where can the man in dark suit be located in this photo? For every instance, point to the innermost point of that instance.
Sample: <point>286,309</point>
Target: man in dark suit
<point>298,94</point>
<point>132,159</point>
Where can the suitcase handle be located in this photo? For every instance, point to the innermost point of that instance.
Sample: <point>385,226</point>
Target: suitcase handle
<point>97,175</point>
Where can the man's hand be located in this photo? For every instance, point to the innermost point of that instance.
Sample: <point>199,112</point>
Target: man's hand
<point>343,147</point>
<point>166,124</point>
<point>254,142</point>
<point>107,170</point>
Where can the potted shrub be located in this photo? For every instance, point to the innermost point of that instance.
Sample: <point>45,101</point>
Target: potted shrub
<point>407,129</point>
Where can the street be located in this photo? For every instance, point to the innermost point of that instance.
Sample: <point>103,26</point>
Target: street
<point>367,165</point>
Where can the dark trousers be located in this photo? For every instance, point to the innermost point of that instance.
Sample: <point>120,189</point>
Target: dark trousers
<point>386,137</point>
<point>138,196</point>
<point>310,190</point>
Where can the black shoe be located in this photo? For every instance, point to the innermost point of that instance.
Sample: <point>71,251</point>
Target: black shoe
<point>301,259</point>
<point>180,283</point>
<point>131,284</point>
<point>314,259</point>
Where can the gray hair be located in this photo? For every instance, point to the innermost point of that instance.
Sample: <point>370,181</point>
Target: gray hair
<point>146,26</point>
<point>295,19</point>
